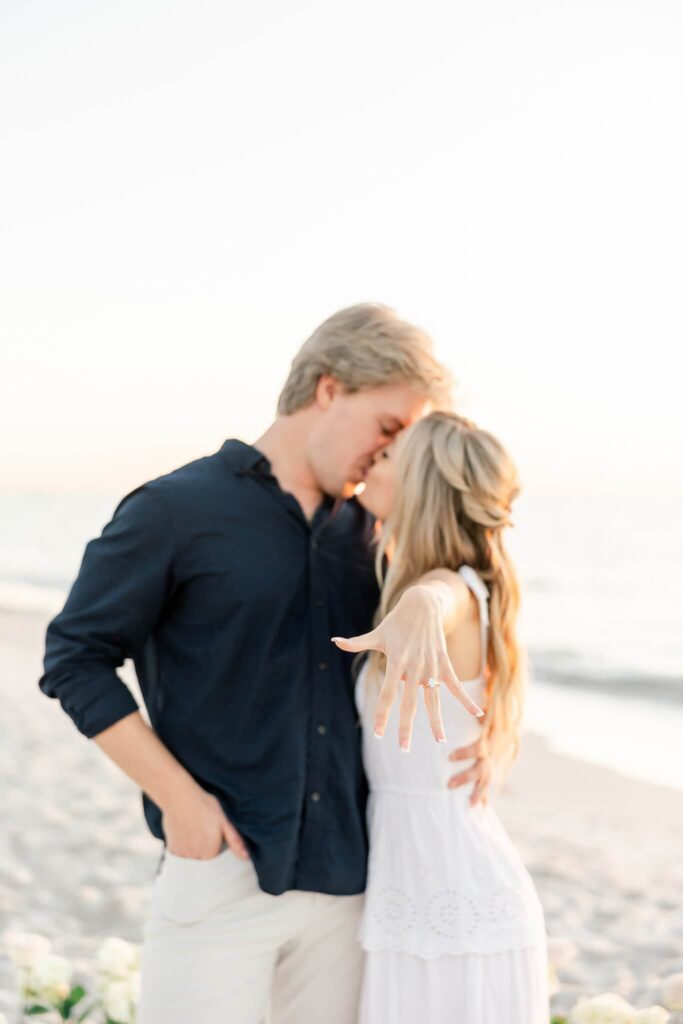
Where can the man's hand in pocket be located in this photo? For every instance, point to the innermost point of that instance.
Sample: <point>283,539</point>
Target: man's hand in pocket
<point>195,826</point>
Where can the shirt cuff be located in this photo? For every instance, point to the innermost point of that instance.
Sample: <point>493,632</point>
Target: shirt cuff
<point>106,710</point>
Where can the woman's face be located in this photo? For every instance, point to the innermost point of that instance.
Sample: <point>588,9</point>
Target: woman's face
<point>378,494</point>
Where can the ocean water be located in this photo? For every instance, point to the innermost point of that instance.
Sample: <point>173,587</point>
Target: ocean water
<point>602,615</point>
<point>603,591</point>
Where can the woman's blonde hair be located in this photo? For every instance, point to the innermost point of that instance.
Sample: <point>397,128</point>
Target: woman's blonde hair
<point>454,486</point>
<point>366,346</point>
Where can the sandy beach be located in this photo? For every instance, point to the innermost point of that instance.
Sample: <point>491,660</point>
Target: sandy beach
<point>77,860</point>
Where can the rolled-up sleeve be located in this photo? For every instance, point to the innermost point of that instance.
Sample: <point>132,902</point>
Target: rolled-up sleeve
<point>112,608</point>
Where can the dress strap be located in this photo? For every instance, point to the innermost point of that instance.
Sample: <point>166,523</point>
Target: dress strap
<point>481,592</point>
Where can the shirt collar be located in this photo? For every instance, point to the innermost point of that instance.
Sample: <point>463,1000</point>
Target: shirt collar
<point>242,457</point>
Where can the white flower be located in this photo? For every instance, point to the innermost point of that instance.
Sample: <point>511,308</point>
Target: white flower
<point>24,981</point>
<point>50,978</point>
<point>24,948</point>
<point>561,952</point>
<point>3,1019</point>
<point>134,981</point>
<point>672,992</point>
<point>121,999</point>
<point>553,981</point>
<point>118,958</point>
<point>608,1008</point>
<point>652,1015</point>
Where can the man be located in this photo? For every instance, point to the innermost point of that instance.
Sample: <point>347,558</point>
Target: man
<point>224,581</point>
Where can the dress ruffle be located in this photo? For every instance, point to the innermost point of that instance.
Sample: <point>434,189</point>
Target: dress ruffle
<point>470,989</point>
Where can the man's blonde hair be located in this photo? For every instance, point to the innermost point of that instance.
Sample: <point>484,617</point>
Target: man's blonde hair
<point>366,346</point>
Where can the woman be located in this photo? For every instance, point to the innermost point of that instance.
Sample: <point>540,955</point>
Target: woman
<point>452,926</point>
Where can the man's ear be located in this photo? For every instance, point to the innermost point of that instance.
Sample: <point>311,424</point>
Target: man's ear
<point>327,388</point>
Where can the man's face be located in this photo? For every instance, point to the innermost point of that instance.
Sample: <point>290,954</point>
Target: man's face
<point>378,494</point>
<point>355,428</point>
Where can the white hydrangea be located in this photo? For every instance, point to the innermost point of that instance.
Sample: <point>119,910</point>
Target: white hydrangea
<point>50,978</point>
<point>118,958</point>
<point>553,981</point>
<point>24,948</point>
<point>121,999</point>
<point>672,992</point>
<point>117,979</point>
<point>608,1008</point>
<point>652,1015</point>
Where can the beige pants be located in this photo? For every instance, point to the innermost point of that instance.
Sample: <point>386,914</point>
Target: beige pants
<point>218,950</point>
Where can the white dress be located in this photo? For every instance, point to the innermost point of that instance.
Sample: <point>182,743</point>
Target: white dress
<point>452,926</point>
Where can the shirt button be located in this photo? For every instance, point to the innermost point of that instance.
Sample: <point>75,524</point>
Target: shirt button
<point>315,797</point>
<point>322,664</point>
<point>322,730</point>
<point>318,603</point>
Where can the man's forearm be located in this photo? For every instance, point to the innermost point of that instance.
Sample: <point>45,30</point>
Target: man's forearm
<point>139,752</point>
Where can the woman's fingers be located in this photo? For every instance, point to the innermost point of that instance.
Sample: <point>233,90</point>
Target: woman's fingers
<point>387,696</point>
<point>407,715</point>
<point>476,794</point>
<point>433,705</point>
<point>395,674</point>
<point>457,689</point>
<point>364,642</point>
<point>463,753</point>
<point>461,778</point>
<point>478,774</point>
<point>481,788</point>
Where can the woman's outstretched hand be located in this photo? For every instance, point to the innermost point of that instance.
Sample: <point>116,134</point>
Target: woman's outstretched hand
<point>413,640</point>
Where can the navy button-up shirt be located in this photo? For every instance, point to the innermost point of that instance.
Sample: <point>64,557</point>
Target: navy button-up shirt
<point>225,597</point>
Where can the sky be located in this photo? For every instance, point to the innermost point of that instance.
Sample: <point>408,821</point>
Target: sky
<point>190,187</point>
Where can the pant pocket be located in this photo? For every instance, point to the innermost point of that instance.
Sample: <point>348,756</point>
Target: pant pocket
<point>187,889</point>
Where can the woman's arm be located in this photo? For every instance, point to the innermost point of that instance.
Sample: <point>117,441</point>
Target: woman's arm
<point>431,607</point>
<point>413,638</point>
<point>453,594</point>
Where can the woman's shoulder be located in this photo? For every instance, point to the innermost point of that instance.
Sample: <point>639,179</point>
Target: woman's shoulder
<point>473,580</point>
